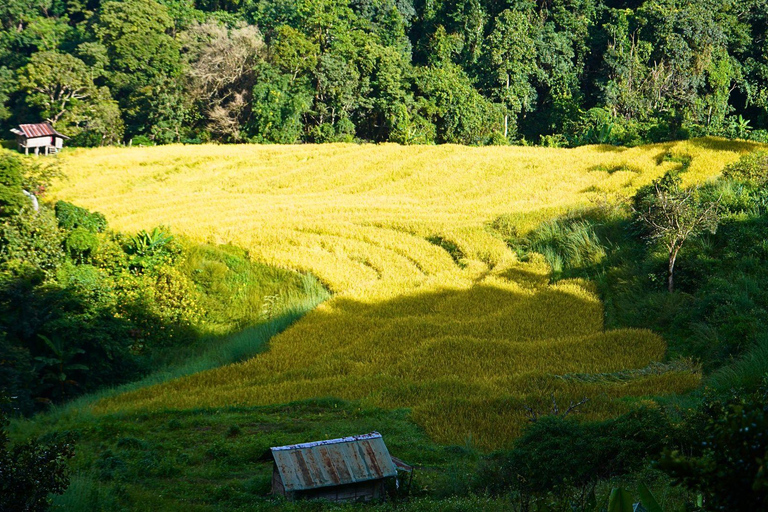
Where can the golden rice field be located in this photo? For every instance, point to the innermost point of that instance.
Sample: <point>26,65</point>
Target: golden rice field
<point>464,346</point>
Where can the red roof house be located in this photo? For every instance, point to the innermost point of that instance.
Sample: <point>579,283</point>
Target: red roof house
<point>37,137</point>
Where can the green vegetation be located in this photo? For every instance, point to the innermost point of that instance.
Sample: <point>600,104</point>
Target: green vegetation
<point>718,314</point>
<point>83,307</point>
<point>560,72</point>
<point>31,471</point>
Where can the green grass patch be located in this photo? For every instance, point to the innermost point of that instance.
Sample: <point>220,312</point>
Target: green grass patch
<point>215,459</point>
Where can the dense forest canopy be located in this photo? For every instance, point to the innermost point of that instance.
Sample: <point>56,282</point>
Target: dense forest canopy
<point>556,72</point>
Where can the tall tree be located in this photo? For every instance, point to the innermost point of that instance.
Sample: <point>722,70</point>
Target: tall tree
<point>142,54</point>
<point>55,82</point>
<point>222,75</point>
<point>673,215</point>
<point>511,61</point>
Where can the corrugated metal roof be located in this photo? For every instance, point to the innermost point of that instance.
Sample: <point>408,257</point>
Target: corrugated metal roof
<point>334,462</point>
<point>39,130</point>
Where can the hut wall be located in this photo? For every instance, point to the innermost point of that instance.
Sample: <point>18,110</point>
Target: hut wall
<point>38,142</point>
<point>361,491</point>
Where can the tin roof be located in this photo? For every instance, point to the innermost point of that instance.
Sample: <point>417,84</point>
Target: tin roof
<point>333,462</point>
<point>31,131</point>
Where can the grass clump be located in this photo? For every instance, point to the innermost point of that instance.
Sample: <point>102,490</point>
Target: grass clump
<point>566,244</point>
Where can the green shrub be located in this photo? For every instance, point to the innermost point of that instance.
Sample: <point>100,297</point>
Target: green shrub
<point>730,471</point>
<point>149,249</point>
<point>11,175</point>
<point>142,140</point>
<point>34,238</point>
<point>72,217</point>
<point>81,244</point>
<point>751,168</point>
<point>30,472</point>
<point>569,458</point>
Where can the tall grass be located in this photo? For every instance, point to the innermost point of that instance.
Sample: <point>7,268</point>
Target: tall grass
<point>566,243</point>
<point>432,310</point>
<point>750,371</point>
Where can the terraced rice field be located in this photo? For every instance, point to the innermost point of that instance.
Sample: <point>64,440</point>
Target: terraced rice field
<point>464,338</point>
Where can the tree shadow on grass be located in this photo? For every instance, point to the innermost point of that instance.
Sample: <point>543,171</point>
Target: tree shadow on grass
<point>735,146</point>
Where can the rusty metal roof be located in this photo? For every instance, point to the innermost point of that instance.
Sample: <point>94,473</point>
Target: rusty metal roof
<point>31,131</point>
<point>334,462</point>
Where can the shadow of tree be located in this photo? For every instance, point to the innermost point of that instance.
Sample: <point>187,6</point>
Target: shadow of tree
<point>734,146</point>
<point>466,360</point>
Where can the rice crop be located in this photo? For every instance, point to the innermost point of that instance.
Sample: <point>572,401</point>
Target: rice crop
<point>431,310</point>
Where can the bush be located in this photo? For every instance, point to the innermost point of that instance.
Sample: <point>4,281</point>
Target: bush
<point>730,472</point>
<point>31,472</point>
<point>142,140</point>
<point>73,217</point>
<point>751,168</point>
<point>568,458</point>
<point>11,171</point>
<point>33,238</point>
<point>81,244</point>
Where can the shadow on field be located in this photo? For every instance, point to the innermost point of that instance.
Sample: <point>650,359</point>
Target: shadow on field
<point>734,146</point>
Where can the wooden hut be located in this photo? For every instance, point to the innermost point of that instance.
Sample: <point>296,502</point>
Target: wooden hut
<point>346,469</point>
<point>39,137</point>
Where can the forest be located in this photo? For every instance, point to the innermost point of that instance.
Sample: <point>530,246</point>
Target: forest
<point>549,72</point>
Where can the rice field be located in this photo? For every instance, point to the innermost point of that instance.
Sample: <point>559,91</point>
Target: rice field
<point>431,311</point>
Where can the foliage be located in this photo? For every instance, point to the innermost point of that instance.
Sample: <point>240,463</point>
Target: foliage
<point>672,216</point>
<point>55,82</point>
<point>31,472</point>
<point>149,249</point>
<point>11,176</point>
<point>31,239</point>
<point>71,217</point>
<point>569,458</point>
<point>573,71</point>
<point>751,168</point>
<point>729,470</point>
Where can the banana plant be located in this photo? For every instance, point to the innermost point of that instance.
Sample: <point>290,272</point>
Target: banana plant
<point>148,248</point>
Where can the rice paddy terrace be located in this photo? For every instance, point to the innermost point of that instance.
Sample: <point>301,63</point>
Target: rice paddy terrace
<point>431,310</point>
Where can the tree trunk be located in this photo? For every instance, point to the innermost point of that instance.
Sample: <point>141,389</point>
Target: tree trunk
<point>671,274</point>
<point>506,116</point>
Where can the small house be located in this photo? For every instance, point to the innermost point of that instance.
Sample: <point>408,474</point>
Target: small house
<point>346,469</point>
<point>40,137</point>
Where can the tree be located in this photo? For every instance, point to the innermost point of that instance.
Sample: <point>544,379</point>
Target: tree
<point>512,63</point>
<point>30,472</point>
<point>95,122</point>
<point>672,215</point>
<point>142,56</point>
<point>56,83</point>
<point>461,114</point>
<point>222,75</point>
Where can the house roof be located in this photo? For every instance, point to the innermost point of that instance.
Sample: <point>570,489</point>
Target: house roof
<point>333,462</point>
<point>31,131</point>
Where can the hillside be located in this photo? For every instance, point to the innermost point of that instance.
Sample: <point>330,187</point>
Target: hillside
<point>432,310</point>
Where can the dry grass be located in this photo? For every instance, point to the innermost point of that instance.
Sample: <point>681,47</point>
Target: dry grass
<point>465,345</point>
